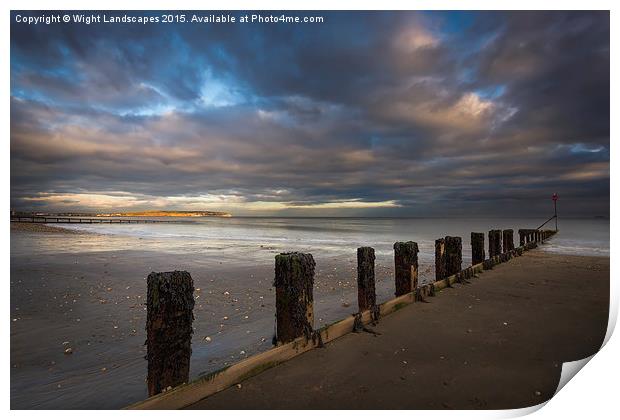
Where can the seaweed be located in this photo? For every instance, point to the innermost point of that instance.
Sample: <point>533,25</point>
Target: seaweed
<point>257,370</point>
<point>208,377</point>
<point>399,306</point>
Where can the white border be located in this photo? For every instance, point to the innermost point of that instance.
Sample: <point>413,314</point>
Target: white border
<point>591,394</point>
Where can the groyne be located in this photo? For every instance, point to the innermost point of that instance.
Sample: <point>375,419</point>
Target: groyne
<point>294,309</point>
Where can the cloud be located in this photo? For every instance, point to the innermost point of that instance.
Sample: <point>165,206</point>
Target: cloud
<point>371,113</point>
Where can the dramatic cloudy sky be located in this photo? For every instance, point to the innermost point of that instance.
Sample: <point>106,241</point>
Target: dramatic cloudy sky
<point>394,114</point>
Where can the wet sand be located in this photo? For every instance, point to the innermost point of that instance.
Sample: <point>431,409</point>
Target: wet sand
<point>41,228</point>
<point>93,304</point>
<point>496,343</point>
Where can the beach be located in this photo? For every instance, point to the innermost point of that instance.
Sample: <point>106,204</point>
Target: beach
<point>77,300</point>
<point>496,343</point>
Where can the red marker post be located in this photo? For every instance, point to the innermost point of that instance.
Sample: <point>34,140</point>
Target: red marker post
<point>554,197</point>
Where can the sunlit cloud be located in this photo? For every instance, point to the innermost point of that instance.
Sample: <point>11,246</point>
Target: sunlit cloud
<point>109,201</point>
<point>368,114</point>
<point>415,37</point>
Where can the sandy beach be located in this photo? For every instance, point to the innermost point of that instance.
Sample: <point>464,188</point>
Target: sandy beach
<point>93,303</point>
<point>496,343</point>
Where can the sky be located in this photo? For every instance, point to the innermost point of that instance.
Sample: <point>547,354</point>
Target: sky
<point>390,114</point>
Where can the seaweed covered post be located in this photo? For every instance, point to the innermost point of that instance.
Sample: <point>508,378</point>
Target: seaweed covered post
<point>405,267</point>
<point>477,248</point>
<point>495,243</point>
<point>294,280</point>
<point>366,297</point>
<point>440,259</point>
<point>169,317</point>
<point>508,242</point>
<point>521,237</point>
<point>454,254</point>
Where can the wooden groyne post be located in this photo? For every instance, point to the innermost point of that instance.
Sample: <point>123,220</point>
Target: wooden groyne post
<point>366,296</point>
<point>507,240</point>
<point>169,317</point>
<point>440,259</point>
<point>495,243</point>
<point>294,281</point>
<point>405,267</point>
<point>454,255</point>
<point>477,248</point>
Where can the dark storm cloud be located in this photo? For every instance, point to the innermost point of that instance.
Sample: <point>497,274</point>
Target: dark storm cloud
<point>418,113</point>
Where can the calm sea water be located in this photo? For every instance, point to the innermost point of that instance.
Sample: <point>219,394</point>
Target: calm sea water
<point>331,236</point>
<point>87,292</point>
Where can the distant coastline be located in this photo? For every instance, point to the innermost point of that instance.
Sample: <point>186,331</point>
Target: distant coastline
<point>146,213</point>
<point>165,213</point>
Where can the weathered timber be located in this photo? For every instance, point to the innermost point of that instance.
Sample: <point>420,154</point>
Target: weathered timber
<point>366,296</point>
<point>522,237</point>
<point>405,267</point>
<point>440,259</point>
<point>454,254</point>
<point>495,242</point>
<point>507,240</point>
<point>169,317</point>
<point>294,281</point>
<point>477,248</point>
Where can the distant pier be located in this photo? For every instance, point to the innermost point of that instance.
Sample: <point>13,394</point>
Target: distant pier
<point>73,220</point>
